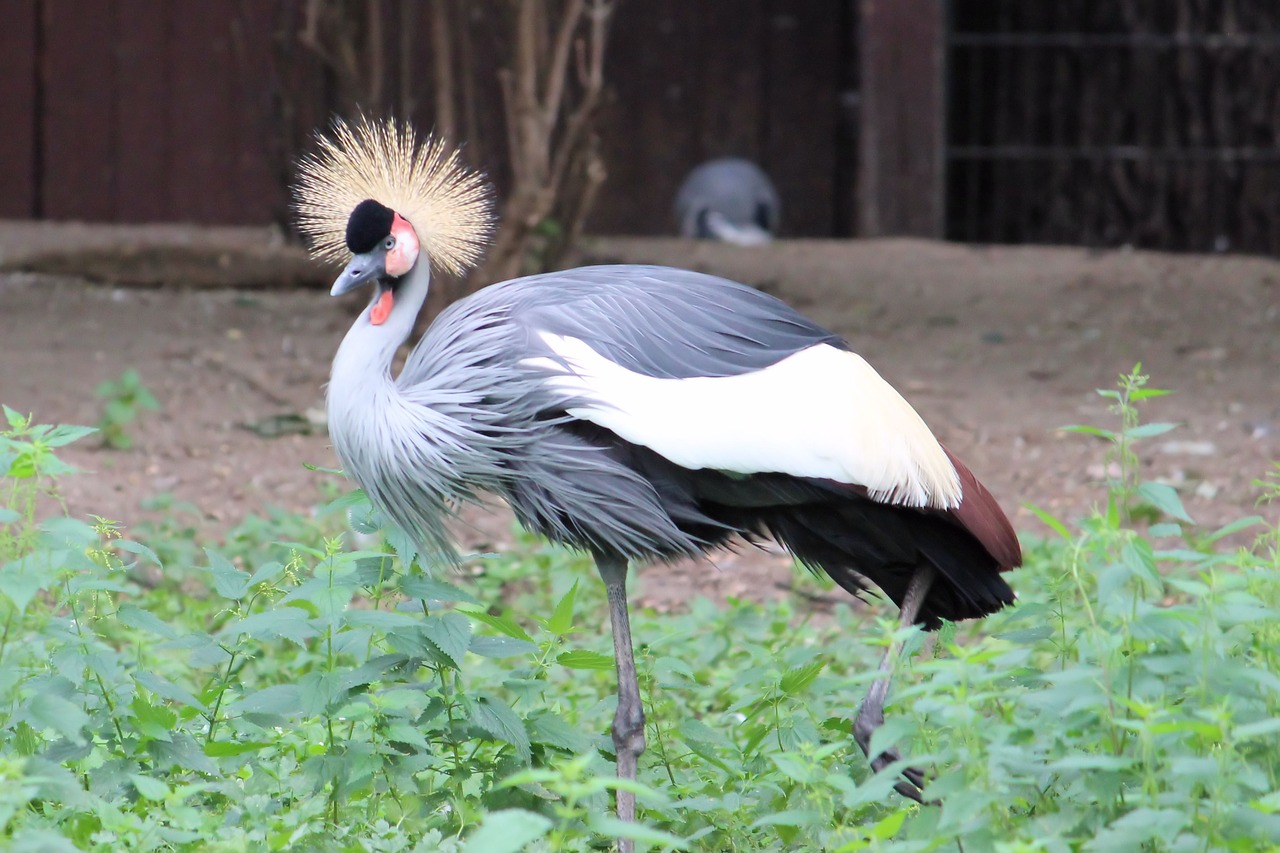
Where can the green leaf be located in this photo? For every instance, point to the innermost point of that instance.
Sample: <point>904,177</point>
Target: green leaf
<point>166,689</point>
<point>22,467</point>
<point>792,817</point>
<point>1251,730</point>
<point>318,691</point>
<point>500,647</point>
<point>450,633</point>
<point>1086,761</point>
<point>547,727</point>
<point>20,586</point>
<point>696,731</point>
<point>507,831</point>
<point>49,711</point>
<point>228,748</point>
<point>1140,559</point>
<point>278,699</point>
<point>503,623</point>
<point>1105,434</point>
<point>143,620</point>
<point>282,623</point>
<point>408,735</point>
<point>888,826</point>
<point>795,770</point>
<point>1164,498</point>
<point>610,827</point>
<point>561,621</point>
<point>181,752</point>
<point>45,841</point>
<point>426,588</point>
<point>137,549</point>
<point>1050,520</point>
<point>1137,395</point>
<point>1236,526</point>
<point>1150,430</point>
<point>266,572</point>
<point>797,679</point>
<point>70,533</point>
<point>228,581</point>
<point>148,788</point>
<point>382,620</point>
<point>154,721</point>
<point>496,719</point>
<point>65,434</point>
<point>584,659</point>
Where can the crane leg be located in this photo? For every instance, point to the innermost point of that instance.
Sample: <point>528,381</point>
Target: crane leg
<point>871,714</point>
<point>628,721</point>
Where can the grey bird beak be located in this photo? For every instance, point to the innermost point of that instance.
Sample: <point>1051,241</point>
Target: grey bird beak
<point>362,269</point>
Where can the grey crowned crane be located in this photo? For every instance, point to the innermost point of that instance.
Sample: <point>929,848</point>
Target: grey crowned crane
<point>731,200</point>
<point>633,412</point>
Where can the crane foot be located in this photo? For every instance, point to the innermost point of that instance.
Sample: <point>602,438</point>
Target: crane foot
<point>912,786</point>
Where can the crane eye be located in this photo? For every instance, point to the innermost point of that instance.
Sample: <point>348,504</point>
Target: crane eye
<point>389,244</point>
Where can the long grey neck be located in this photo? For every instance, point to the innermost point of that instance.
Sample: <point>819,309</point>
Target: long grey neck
<point>363,361</point>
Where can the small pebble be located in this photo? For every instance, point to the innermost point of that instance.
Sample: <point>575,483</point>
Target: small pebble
<point>1189,448</point>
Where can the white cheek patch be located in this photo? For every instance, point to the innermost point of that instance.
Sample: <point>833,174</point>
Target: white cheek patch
<point>822,412</point>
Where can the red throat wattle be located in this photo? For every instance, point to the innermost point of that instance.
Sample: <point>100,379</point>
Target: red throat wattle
<point>382,308</point>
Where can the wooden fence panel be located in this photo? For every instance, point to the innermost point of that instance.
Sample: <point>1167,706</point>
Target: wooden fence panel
<point>803,55</point>
<point>202,113</point>
<point>144,145</point>
<point>190,110</point>
<point>652,131</point>
<point>18,105</point>
<point>756,79</point>
<point>78,81</point>
<point>901,178</point>
<point>1134,122</point>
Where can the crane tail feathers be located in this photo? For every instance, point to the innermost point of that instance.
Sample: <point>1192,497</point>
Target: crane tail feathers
<point>979,514</point>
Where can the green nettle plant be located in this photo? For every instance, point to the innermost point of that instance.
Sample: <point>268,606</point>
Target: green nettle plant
<point>124,400</point>
<point>281,692</point>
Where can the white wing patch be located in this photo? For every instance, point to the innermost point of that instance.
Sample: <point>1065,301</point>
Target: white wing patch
<point>822,412</point>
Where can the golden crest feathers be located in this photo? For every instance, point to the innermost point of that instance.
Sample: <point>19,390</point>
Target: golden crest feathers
<point>425,181</point>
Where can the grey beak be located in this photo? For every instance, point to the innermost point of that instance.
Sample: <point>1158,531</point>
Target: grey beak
<point>361,270</point>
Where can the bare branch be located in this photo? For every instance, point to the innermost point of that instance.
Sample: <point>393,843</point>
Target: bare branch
<point>558,66</point>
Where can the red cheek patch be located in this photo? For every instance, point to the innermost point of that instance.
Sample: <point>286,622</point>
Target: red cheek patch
<point>382,308</point>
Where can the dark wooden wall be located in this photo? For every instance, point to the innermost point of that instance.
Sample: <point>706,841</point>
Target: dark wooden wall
<point>1141,122</point>
<point>189,110</point>
<point>751,78</point>
<point>1101,122</point>
<point>902,175</point>
<point>133,110</point>
<point>18,108</point>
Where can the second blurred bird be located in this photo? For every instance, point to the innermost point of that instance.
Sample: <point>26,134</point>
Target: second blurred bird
<point>731,200</point>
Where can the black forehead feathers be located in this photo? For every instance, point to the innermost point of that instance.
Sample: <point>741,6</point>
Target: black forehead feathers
<point>368,225</point>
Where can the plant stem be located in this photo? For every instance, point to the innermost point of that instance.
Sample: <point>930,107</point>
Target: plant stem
<point>217,705</point>
<point>97,676</point>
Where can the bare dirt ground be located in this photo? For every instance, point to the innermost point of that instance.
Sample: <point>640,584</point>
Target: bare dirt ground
<point>997,347</point>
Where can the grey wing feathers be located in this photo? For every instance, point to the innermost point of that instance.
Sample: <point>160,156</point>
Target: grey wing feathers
<point>484,419</point>
<point>664,322</point>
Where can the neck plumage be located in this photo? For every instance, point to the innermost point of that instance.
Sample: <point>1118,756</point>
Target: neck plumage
<point>363,361</point>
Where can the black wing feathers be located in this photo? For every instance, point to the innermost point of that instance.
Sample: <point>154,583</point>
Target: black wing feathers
<point>830,527</point>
